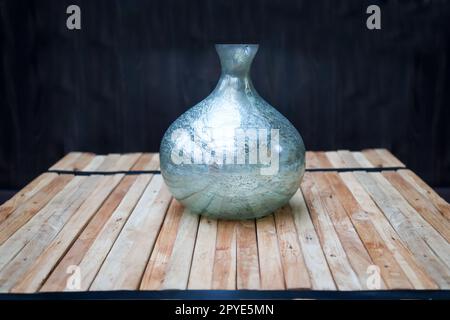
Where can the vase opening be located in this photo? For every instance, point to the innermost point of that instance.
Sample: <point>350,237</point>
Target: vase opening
<point>236,59</point>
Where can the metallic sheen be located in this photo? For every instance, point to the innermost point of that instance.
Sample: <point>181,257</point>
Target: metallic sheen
<point>231,190</point>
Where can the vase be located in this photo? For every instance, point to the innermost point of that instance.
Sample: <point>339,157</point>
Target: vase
<point>232,156</point>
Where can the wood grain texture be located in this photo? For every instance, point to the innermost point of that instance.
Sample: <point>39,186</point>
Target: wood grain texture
<point>126,232</point>
<point>406,229</point>
<point>340,266</point>
<point>295,272</point>
<point>201,275</point>
<point>248,274</point>
<point>224,272</point>
<point>271,269</point>
<point>134,245</point>
<point>315,261</point>
<point>58,279</point>
<point>413,270</point>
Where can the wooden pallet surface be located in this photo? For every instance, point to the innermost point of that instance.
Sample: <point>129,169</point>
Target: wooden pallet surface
<point>119,231</point>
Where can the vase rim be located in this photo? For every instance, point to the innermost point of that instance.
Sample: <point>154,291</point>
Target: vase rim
<point>238,44</point>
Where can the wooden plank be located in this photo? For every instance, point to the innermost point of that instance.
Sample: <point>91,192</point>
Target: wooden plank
<point>73,160</point>
<point>427,191</point>
<point>19,239</point>
<point>247,256</point>
<point>311,160</point>
<point>57,280</point>
<point>155,271</point>
<point>269,255</point>
<point>125,263</point>
<point>126,161</point>
<point>335,159</point>
<point>432,237</point>
<point>382,257</point>
<point>201,275</point>
<point>362,160</point>
<point>28,209</point>
<point>25,194</point>
<point>349,160</point>
<point>389,158</point>
<point>406,230</point>
<point>295,272</point>
<point>374,157</point>
<point>63,204</point>
<point>177,275</point>
<point>405,259</point>
<point>109,163</point>
<point>97,252</point>
<point>343,273</point>
<point>66,161</point>
<point>322,159</point>
<point>355,250</point>
<point>320,275</point>
<point>143,161</point>
<point>224,272</point>
<point>29,242</point>
<point>420,203</point>
<point>44,264</point>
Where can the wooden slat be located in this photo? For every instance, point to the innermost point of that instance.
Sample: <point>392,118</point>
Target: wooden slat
<point>58,278</point>
<point>322,159</point>
<point>201,275</point>
<point>224,272</point>
<point>349,160</point>
<point>43,265</point>
<point>125,263</point>
<point>335,159</point>
<point>420,203</point>
<point>66,161</point>
<point>389,158</point>
<point>247,256</point>
<point>28,209</point>
<point>355,250</point>
<point>119,231</point>
<point>25,194</point>
<point>98,251</point>
<point>19,251</point>
<point>382,257</point>
<point>45,226</point>
<point>36,194</point>
<point>374,157</point>
<point>362,160</point>
<point>427,191</point>
<point>405,259</point>
<point>431,236</point>
<point>179,266</point>
<point>320,275</point>
<point>296,274</point>
<point>65,202</point>
<point>269,255</point>
<point>126,161</point>
<point>311,160</point>
<point>408,232</point>
<point>343,273</point>
<point>155,271</point>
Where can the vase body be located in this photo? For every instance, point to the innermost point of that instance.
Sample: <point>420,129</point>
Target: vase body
<point>233,156</point>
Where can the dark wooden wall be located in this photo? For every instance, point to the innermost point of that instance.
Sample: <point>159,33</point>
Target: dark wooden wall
<point>135,66</point>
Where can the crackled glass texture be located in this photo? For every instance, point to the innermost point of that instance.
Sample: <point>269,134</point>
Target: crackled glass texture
<point>233,156</point>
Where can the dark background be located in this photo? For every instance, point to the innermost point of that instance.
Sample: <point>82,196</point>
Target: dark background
<point>135,66</point>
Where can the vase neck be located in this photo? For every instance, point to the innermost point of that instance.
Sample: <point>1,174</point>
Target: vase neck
<point>236,61</point>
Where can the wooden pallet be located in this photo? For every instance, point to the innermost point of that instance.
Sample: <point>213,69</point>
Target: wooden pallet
<point>124,231</point>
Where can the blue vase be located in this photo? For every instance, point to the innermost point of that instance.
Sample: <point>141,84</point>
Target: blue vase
<point>233,156</point>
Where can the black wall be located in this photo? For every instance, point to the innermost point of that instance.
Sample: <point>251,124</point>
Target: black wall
<point>135,66</point>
